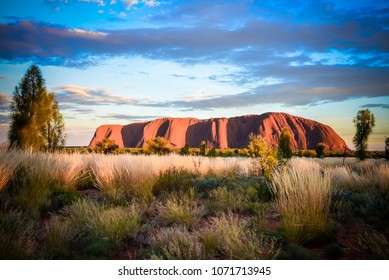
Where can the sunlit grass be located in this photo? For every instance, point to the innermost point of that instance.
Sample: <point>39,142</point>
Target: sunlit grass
<point>303,198</point>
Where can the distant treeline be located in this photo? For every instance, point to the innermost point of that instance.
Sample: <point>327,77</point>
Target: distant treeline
<point>227,152</point>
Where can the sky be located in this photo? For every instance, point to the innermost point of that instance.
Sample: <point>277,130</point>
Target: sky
<point>124,61</point>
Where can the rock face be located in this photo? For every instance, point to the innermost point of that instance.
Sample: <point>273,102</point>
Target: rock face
<point>223,132</point>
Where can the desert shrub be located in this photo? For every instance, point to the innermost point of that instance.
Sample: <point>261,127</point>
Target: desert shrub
<point>259,189</point>
<point>320,149</point>
<point>175,243</point>
<point>227,237</point>
<point>373,245</point>
<point>303,198</point>
<point>225,200</point>
<point>212,153</point>
<point>98,248</point>
<point>174,179</point>
<point>62,197</point>
<point>157,145</point>
<point>185,150</point>
<point>17,235</point>
<point>106,146</point>
<point>284,144</point>
<point>259,148</point>
<point>181,210</point>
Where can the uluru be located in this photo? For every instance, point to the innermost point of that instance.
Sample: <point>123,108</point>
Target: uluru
<point>222,132</point>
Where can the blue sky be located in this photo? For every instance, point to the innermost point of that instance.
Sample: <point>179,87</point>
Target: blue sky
<point>121,61</point>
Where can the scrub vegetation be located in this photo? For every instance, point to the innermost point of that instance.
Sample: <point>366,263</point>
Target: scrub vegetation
<point>104,206</point>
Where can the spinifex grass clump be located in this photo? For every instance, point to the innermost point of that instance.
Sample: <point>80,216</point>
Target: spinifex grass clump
<point>303,198</point>
<point>116,223</point>
<point>228,237</point>
<point>120,176</point>
<point>225,200</point>
<point>86,229</point>
<point>8,164</point>
<point>176,243</point>
<point>17,233</point>
<point>182,210</point>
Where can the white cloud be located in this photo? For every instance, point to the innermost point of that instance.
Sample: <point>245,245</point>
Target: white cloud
<point>87,33</point>
<point>89,96</point>
<point>151,3</point>
<point>129,3</point>
<point>122,15</point>
<point>100,2</point>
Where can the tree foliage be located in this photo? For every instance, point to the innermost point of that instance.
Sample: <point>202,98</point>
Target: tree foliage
<point>320,148</point>
<point>185,150</point>
<point>364,123</point>
<point>157,145</point>
<point>203,146</point>
<point>36,122</point>
<point>259,148</point>
<point>284,144</point>
<point>387,148</point>
<point>106,146</point>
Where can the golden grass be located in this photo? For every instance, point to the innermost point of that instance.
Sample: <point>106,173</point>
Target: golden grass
<point>303,198</point>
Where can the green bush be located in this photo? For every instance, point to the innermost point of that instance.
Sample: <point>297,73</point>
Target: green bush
<point>225,200</point>
<point>174,179</point>
<point>157,145</point>
<point>106,146</point>
<point>320,150</point>
<point>297,252</point>
<point>181,210</point>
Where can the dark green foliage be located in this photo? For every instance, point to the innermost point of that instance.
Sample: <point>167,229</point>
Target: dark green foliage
<point>387,148</point>
<point>174,180</point>
<point>99,248</point>
<point>157,145</point>
<point>284,144</point>
<point>185,150</point>
<point>364,123</point>
<point>320,149</point>
<point>296,252</point>
<point>203,146</point>
<point>309,153</point>
<point>61,197</point>
<point>36,122</point>
<point>106,146</point>
<point>333,251</point>
<point>212,153</point>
